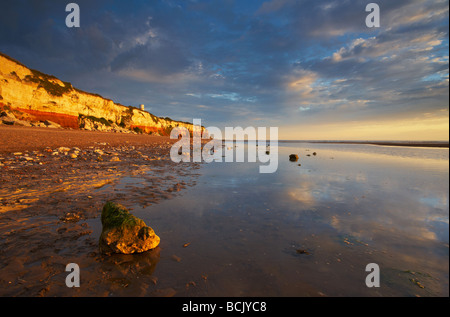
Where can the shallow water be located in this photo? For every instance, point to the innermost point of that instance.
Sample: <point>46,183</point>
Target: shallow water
<point>310,230</point>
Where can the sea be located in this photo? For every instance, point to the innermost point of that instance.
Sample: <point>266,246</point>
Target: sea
<point>342,220</point>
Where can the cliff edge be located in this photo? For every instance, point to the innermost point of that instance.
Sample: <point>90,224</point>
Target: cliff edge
<point>35,97</point>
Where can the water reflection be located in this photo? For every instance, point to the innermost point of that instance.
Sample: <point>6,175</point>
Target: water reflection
<point>347,206</point>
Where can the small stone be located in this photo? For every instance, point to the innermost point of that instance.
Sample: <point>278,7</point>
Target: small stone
<point>17,153</point>
<point>63,149</point>
<point>293,157</point>
<point>73,155</point>
<point>115,159</point>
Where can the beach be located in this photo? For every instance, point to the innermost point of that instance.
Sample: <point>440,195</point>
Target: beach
<point>309,229</point>
<point>53,186</point>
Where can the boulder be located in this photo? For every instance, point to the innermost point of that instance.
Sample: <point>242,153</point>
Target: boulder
<point>8,120</point>
<point>51,124</point>
<point>22,123</point>
<point>124,233</point>
<point>293,157</point>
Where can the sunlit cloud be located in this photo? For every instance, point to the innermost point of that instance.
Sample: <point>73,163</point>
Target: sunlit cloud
<point>298,65</point>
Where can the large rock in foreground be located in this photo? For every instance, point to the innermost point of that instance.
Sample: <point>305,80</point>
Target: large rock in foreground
<point>124,233</point>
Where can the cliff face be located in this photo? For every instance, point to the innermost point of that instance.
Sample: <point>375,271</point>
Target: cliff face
<point>44,97</point>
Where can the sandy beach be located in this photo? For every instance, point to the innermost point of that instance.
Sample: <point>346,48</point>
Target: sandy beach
<point>53,185</point>
<point>308,230</point>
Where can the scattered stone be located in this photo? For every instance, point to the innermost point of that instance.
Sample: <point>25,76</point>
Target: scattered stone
<point>115,159</point>
<point>22,123</point>
<point>7,114</point>
<point>176,258</point>
<point>8,121</point>
<point>17,153</point>
<point>123,232</point>
<point>63,149</point>
<point>73,155</point>
<point>70,217</point>
<point>51,124</point>
<point>293,157</point>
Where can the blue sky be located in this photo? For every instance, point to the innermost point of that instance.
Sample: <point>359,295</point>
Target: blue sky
<point>311,68</point>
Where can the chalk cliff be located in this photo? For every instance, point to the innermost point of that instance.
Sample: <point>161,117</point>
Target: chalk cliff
<point>41,97</point>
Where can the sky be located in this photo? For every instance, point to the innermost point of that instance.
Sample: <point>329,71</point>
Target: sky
<point>311,68</point>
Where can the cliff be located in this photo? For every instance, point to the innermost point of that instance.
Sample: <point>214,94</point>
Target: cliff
<point>38,97</point>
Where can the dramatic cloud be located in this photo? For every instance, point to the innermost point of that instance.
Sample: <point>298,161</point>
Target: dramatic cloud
<point>304,66</point>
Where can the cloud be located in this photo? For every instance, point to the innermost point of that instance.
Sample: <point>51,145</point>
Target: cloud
<point>282,61</point>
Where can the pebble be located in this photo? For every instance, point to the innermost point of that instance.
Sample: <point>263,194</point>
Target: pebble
<point>63,149</point>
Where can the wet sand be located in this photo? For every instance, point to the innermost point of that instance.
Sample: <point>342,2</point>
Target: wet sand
<point>53,185</point>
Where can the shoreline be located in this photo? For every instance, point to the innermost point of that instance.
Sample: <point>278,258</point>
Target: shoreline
<point>427,144</point>
<point>53,185</point>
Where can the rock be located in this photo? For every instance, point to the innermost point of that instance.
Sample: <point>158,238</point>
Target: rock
<point>8,114</point>
<point>73,155</point>
<point>115,159</point>
<point>314,153</point>
<point>123,232</point>
<point>293,157</point>
<point>62,149</point>
<point>8,120</point>
<point>51,124</point>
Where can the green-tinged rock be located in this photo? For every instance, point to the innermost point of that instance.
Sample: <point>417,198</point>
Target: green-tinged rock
<point>124,233</point>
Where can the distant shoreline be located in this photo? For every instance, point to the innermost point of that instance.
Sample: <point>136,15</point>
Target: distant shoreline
<point>435,144</point>
<point>438,144</point>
